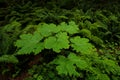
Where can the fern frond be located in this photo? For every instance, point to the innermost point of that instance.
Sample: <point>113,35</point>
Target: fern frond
<point>8,59</point>
<point>86,33</point>
<point>97,40</point>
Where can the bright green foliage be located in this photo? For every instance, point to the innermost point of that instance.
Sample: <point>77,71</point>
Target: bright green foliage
<point>95,67</point>
<point>78,61</point>
<point>60,41</point>
<point>65,66</point>
<point>9,59</point>
<point>72,28</point>
<point>46,36</point>
<point>68,65</point>
<point>29,43</point>
<point>47,29</point>
<point>81,45</point>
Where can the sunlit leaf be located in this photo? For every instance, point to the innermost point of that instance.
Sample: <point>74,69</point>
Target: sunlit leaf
<point>81,45</point>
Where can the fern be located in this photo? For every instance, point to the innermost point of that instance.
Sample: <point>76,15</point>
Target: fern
<point>9,59</point>
<point>98,77</point>
<point>109,66</point>
<point>85,32</point>
<point>97,40</point>
<point>8,34</point>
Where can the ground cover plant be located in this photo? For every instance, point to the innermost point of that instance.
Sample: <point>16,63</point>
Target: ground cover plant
<point>56,40</point>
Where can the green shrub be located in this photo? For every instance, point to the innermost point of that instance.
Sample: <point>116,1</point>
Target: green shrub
<point>81,60</point>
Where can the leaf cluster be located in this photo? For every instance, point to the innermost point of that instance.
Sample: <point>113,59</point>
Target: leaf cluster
<point>81,57</point>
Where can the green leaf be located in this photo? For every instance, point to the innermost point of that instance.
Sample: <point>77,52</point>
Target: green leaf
<point>68,65</point>
<point>57,42</point>
<point>38,48</point>
<point>47,29</point>
<point>81,45</point>
<point>9,59</point>
<point>82,64</point>
<point>65,66</point>
<point>29,43</point>
<point>71,28</point>
<point>50,42</point>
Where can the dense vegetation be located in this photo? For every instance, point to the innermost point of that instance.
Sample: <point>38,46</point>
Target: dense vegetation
<point>59,39</point>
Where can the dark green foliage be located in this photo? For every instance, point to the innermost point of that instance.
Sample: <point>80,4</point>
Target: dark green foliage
<point>8,34</point>
<point>8,59</point>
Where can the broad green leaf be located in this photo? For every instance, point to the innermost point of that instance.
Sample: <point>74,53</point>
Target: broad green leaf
<point>38,48</point>
<point>57,42</point>
<point>81,45</point>
<point>47,29</point>
<point>29,43</point>
<point>71,28</point>
<point>82,64</point>
<point>68,65</point>
<point>62,41</point>
<point>65,66</point>
<point>50,42</point>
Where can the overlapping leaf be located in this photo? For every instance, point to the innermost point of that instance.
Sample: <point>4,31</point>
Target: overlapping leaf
<point>82,64</point>
<point>58,42</point>
<point>81,45</point>
<point>29,43</point>
<point>68,65</point>
<point>71,28</point>
<point>47,29</point>
<point>9,59</point>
